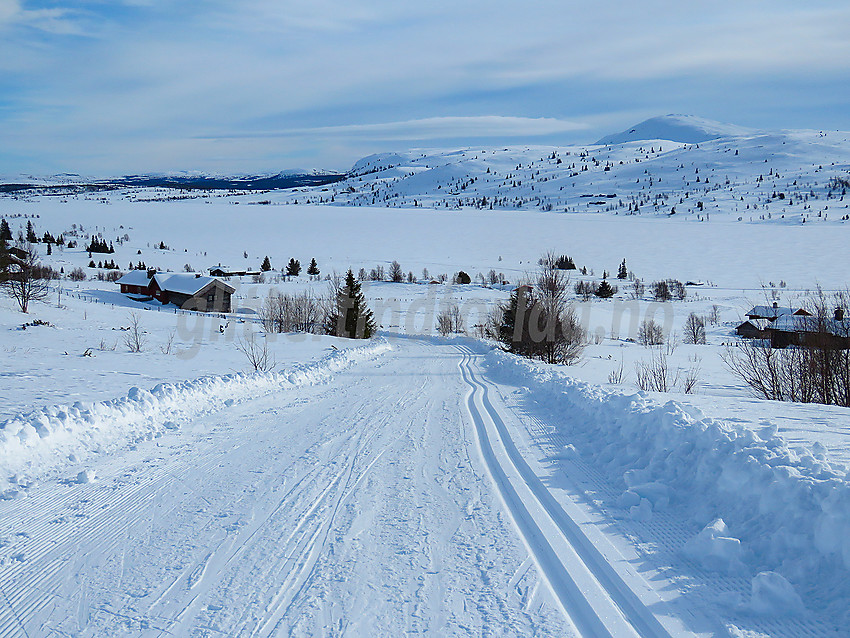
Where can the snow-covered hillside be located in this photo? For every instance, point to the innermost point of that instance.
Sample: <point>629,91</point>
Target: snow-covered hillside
<point>676,128</point>
<point>672,165</point>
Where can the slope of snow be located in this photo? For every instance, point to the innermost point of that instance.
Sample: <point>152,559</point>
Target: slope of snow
<point>689,129</point>
<point>782,177</point>
<point>49,439</point>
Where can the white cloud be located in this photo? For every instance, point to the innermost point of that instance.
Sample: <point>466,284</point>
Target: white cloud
<point>432,128</point>
<point>305,72</point>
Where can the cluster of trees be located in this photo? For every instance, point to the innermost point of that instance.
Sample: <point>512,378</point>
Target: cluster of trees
<point>292,313</point>
<point>557,262</point>
<point>293,267</point>
<point>668,289</point>
<point>539,323</point>
<point>588,289</point>
<point>108,264</point>
<point>343,313</point>
<point>31,237</point>
<point>98,245</point>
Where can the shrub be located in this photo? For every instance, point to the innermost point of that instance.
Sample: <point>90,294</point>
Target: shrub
<point>650,333</point>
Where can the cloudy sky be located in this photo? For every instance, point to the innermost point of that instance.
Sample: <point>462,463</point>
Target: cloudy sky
<point>106,87</point>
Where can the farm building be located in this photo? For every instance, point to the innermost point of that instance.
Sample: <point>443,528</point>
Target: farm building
<point>820,332</point>
<point>227,271</point>
<point>773,312</point>
<point>752,329</point>
<point>136,282</point>
<point>188,291</point>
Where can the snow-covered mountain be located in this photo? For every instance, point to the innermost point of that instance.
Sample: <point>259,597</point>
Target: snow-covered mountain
<point>776,176</point>
<point>689,129</point>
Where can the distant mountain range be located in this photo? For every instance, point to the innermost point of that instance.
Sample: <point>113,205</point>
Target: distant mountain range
<point>73,183</point>
<point>456,176</point>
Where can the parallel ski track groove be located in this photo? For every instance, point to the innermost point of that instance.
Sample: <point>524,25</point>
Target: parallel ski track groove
<point>579,609</point>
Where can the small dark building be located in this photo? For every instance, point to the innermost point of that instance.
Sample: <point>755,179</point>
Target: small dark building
<point>192,292</point>
<point>227,271</point>
<point>751,330</point>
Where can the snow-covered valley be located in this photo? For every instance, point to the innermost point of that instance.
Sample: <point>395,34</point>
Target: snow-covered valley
<point>420,484</point>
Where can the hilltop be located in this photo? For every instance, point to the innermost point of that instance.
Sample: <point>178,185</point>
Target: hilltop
<point>688,129</point>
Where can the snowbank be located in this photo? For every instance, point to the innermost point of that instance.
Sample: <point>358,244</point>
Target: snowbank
<point>35,444</point>
<point>791,512</point>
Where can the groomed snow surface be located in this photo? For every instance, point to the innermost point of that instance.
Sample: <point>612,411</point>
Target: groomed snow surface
<point>425,487</point>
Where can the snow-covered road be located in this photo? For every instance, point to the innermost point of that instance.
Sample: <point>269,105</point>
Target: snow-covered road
<point>404,496</point>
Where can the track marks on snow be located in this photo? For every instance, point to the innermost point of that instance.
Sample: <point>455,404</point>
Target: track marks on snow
<point>590,592</point>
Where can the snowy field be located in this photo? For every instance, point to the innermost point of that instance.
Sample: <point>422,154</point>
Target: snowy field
<point>417,484</point>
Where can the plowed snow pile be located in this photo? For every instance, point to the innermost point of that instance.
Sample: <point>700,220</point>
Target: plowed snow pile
<point>765,507</point>
<point>35,444</point>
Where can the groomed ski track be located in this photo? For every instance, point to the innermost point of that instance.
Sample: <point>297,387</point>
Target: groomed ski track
<point>396,499</point>
<point>591,593</point>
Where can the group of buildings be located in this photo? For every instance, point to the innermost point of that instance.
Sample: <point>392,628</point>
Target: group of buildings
<point>785,326</point>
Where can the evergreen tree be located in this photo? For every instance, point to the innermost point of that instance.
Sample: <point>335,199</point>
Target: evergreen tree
<point>605,290</point>
<point>5,231</point>
<point>266,265</point>
<point>396,273</point>
<point>623,272</point>
<point>293,268</point>
<point>463,278</point>
<point>313,268</point>
<point>31,238</point>
<point>350,316</point>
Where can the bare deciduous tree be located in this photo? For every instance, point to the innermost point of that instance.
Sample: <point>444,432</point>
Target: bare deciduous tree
<point>650,333</point>
<point>25,282</point>
<point>256,351</point>
<point>655,375</point>
<point>292,313</point>
<point>694,329</point>
<point>450,321</point>
<point>135,338</point>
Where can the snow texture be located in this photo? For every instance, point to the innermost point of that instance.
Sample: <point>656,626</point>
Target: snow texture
<point>789,511</point>
<point>51,438</point>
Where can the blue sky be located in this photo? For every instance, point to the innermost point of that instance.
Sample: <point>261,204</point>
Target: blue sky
<point>106,87</point>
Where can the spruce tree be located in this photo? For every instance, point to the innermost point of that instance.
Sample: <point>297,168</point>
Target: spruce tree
<point>605,290</point>
<point>623,272</point>
<point>350,317</point>
<point>5,231</point>
<point>266,265</point>
<point>293,268</point>
<point>31,237</point>
<point>313,268</point>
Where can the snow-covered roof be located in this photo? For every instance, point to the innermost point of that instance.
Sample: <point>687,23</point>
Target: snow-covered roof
<point>796,323</point>
<point>135,278</point>
<point>771,311</point>
<point>186,284</point>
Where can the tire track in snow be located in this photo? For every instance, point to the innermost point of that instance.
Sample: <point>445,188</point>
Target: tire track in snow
<point>589,590</point>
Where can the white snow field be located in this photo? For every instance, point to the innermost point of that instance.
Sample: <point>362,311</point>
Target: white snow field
<point>422,485</point>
